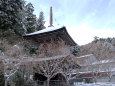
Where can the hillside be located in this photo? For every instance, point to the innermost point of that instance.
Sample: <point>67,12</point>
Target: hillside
<point>101,48</point>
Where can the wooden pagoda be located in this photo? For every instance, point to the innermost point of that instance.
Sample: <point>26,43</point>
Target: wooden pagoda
<point>59,62</point>
<point>49,34</point>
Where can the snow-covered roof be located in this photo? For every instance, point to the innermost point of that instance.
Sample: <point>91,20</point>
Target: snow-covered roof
<point>103,61</point>
<point>43,59</point>
<point>48,29</point>
<point>85,56</point>
<point>50,33</point>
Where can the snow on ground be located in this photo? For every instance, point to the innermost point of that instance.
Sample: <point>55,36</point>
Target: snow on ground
<point>93,84</point>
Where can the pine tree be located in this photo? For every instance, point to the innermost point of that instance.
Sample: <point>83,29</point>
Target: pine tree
<point>11,16</point>
<point>30,18</point>
<point>40,22</point>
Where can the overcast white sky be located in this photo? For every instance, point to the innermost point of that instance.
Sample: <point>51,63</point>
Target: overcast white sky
<point>83,19</point>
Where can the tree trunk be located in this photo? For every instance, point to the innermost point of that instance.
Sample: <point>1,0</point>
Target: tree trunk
<point>109,79</point>
<point>67,81</point>
<point>95,80</point>
<point>5,81</point>
<point>94,77</point>
<point>48,82</point>
<point>28,76</point>
<point>68,84</point>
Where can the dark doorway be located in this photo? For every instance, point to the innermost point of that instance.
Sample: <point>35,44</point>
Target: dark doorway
<point>41,79</point>
<point>58,80</point>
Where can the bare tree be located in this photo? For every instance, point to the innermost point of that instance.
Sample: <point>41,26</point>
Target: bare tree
<point>11,57</point>
<point>69,66</point>
<point>53,49</point>
<point>89,64</point>
<point>108,66</point>
<point>51,66</point>
<point>58,59</point>
<point>48,68</point>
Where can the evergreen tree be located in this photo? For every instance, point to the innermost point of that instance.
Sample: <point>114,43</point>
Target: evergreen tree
<point>11,16</point>
<point>30,18</point>
<point>40,22</point>
<point>1,78</point>
<point>96,39</point>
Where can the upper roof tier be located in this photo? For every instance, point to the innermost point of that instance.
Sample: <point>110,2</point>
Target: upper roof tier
<point>55,33</point>
<point>49,29</point>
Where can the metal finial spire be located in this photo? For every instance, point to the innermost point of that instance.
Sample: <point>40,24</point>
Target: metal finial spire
<point>51,18</point>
